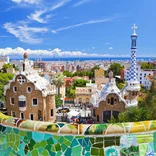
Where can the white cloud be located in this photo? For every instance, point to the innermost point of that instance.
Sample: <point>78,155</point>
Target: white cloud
<point>24,33</point>
<point>93,47</point>
<point>37,15</point>
<point>110,48</point>
<point>54,52</point>
<point>85,23</point>
<point>107,43</point>
<point>26,1</point>
<point>80,3</point>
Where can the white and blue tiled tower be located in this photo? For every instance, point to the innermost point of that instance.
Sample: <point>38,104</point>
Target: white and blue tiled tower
<point>132,88</point>
<point>132,71</point>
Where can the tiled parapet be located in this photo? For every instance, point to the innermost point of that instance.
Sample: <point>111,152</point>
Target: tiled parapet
<point>80,129</point>
<point>14,141</point>
<point>19,137</point>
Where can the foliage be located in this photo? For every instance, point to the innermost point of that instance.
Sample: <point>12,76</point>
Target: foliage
<point>90,73</point>
<point>58,81</point>
<point>115,68</point>
<point>5,67</point>
<point>79,83</point>
<point>120,85</point>
<point>68,74</point>
<point>70,92</point>
<point>147,65</point>
<point>15,67</point>
<point>58,101</point>
<point>4,79</point>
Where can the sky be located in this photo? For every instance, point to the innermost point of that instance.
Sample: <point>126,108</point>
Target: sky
<point>77,28</point>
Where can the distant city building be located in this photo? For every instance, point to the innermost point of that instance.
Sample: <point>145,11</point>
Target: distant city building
<point>141,75</point>
<point>83,94</point>
<point>100,79</point>
<point>4,58</point>
<point>30,96</point>
<point>122,74</point>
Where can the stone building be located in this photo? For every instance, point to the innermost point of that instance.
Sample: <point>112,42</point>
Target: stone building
<point>100,79</point>
<point>110,101</point>
<point>83,95</point>
<point>30,96</point>
<point>107,102</point>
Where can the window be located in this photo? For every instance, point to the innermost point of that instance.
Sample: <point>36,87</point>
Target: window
<point>22,115</point>
<point>133,93</point>
<point>29,89</point>
<point>35,102</point>
<point>12,101</point>
<point>97,118</point>
<point>94,113</point>
<point>140,82</point>
<point>15,89</point>
<point>13,114</point>
<point>31,116</point>
<point>51,112</point>
<point>80,100</point>
<point>108,100</point>
<point>87,100</point>
<point>112,101</point>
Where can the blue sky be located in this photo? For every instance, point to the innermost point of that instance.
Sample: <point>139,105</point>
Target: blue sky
<point>77,27</point>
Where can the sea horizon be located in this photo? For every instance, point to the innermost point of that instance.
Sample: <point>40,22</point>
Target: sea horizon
<point>86,59</point>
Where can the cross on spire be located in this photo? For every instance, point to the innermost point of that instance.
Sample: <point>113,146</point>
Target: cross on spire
<point>134,29</point>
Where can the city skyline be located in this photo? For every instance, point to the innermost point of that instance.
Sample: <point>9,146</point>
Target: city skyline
<point>67,28</point>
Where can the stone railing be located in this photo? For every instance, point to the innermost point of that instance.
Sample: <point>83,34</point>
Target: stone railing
<point>26,137</point>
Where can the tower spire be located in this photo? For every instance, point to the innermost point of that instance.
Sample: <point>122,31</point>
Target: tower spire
<point>132,74</point>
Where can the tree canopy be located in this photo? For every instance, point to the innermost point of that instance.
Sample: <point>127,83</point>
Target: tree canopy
<point>115,68</point>
<point>147,65</point>
<point>70,92</point>
<point>4,79</point>
<point>58,81</point>
<point>90,73</point>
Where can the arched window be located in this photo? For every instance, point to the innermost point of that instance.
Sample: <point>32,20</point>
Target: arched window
<point>22,101</point>
<point>108,100</point>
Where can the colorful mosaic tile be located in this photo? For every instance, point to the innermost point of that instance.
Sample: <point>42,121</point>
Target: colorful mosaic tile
<point>60,139</point>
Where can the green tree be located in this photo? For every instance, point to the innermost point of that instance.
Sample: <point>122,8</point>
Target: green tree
<point>5,67</point>
<point>116,68</point>
<point>70,91</point>
<point>147,65</point>
<point>4,79</point>
<point>68,74</point>
<point>58,81</point>
<point>79,83</point>
<point>58,101</point>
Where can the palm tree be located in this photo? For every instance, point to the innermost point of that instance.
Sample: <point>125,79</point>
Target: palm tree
<point>58,81</point>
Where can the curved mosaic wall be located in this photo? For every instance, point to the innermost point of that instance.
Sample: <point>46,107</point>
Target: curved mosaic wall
<point>26,137</point>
